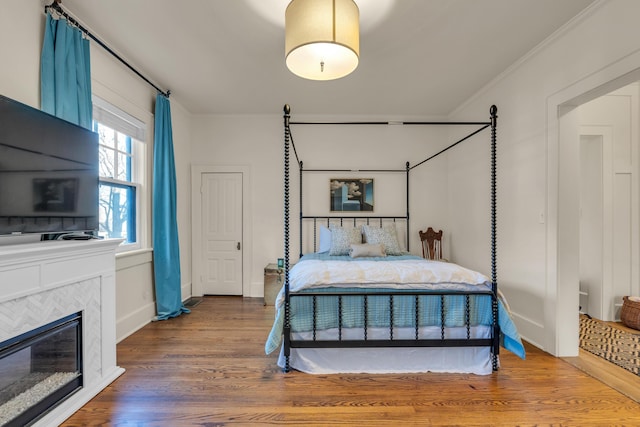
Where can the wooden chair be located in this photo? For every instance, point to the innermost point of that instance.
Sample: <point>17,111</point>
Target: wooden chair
<point>431,244</point>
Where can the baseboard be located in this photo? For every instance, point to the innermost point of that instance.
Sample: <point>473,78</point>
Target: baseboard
<point>257,290</point>
<point>134,321</point>
<point>186,291</point>
<point>144,315</point>
<point>529,330</point>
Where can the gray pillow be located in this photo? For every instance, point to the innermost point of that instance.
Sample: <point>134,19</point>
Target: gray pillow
<point>342,238</point>
<point>386,236</point>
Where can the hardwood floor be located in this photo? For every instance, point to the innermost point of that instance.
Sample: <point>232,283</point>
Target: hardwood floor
<point>208,368</point>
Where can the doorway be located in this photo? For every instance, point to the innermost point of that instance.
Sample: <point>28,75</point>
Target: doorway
<point>219,229</point>
<point>591,224</point>
<point>563,234</point>
<point>609,200</point>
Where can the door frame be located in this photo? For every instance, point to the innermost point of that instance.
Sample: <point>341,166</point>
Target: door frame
<point>562,288</point>
<point>196,223</point>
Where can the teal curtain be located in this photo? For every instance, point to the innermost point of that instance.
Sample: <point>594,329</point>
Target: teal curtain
<point>166,252</point>
<point>65,75</point>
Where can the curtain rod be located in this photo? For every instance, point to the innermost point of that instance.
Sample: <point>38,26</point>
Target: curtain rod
<point>55,5</point>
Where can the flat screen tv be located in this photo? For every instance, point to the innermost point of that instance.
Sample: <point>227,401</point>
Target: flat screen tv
<point>48,173</point>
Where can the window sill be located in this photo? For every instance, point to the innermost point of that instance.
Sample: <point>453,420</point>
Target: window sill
<point>133,258</point>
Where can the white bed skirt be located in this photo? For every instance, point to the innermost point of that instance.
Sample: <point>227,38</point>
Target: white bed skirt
<point>473,360</point>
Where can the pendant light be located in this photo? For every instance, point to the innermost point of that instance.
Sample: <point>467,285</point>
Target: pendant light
<point>322,38</point>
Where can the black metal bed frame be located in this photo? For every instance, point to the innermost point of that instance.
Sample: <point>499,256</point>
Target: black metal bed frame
<point>493,342</point>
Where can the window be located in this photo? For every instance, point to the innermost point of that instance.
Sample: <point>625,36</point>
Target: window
<point>121,163</point>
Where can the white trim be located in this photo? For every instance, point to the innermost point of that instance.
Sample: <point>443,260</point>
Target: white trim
<point>133,259</point>
<point>142,156</point>
<point>560,315</point>
<point>135,320</point>
<point>115,118</point>
<point>196,221</point>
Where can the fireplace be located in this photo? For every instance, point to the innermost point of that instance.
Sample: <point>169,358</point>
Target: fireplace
<point>39,369</point>
<point>57,320</point>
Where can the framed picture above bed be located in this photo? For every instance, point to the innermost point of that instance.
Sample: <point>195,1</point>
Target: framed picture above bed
<point>351,194</point>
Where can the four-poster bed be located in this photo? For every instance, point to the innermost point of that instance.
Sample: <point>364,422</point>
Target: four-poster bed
<point>359,302</point>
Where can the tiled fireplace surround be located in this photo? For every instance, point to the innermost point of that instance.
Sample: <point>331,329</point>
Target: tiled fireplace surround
<point>45,281</point>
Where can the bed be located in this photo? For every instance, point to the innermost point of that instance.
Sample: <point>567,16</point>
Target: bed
<point>359,302</point>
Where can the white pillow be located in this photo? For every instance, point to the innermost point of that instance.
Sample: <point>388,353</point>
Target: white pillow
<point>366,250</point>
<point>342,238</point>
<point>386,236</point>
<point>325,239</point>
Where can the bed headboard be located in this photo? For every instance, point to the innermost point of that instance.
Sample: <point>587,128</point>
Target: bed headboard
<point>310,227</point>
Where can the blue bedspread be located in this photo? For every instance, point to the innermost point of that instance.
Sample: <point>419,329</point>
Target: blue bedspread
<point>378,315</point>
<point>378,311</point>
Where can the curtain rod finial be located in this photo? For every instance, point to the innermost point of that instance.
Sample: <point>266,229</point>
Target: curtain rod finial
<point>53,4</point>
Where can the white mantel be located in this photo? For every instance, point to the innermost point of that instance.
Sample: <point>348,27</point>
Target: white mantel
<point>44,281</point>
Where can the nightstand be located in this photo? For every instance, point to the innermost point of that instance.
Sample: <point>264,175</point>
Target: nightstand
<point>273,280</point>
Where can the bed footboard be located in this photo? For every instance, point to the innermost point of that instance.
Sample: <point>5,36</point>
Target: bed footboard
<point>328,318</point>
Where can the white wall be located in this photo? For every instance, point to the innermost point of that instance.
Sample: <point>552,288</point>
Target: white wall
<point>23,22</point>
<point>22,29</point>
<point>598,46</point>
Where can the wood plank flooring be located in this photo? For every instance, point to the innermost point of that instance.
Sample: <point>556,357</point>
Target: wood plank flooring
<point>208,368</point>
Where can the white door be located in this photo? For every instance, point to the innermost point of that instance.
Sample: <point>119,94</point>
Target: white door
<point>221,233</point>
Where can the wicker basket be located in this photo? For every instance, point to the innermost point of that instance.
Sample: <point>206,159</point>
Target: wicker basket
<point>630,314</point>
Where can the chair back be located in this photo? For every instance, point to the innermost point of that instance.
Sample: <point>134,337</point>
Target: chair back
<point>431,244</point>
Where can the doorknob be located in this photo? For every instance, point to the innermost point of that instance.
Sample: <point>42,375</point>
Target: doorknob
<point>238,246</point>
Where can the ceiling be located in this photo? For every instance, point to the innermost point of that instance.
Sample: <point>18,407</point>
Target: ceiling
<point>417,57</point>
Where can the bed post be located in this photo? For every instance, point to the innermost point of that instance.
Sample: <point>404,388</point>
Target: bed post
<point>287,325</point>
<point>494,272</point>
<point>407,221</point>
<point>300,165</point>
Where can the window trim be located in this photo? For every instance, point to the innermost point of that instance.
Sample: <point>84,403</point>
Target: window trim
<point>111,116</point>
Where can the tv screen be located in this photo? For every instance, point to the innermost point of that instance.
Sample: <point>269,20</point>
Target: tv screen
<point>48,173</point>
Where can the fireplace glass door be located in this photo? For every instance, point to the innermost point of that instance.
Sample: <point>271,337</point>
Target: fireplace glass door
<point>39,369</point>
